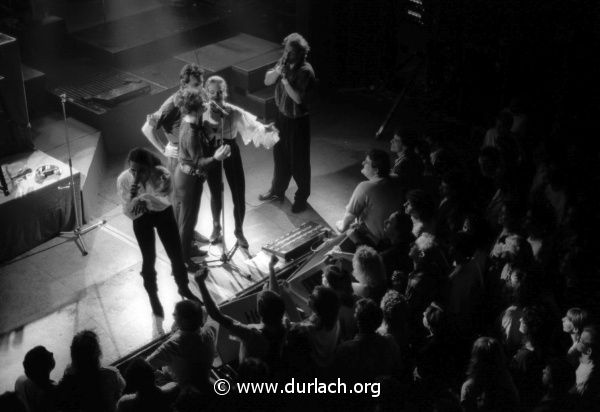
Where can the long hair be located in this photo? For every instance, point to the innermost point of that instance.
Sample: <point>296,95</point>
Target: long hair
<point>325,305</point>
<point>487,362</point>
<point>144,157</point>
<point>85,352</point>
<point>299,43</point>
<point>367,262</point>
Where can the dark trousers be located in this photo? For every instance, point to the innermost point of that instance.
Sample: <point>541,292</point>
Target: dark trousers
<point>166,227</point>
<point>234,172</point>
<point>188,191</point>
<point>171,164</point>
<point>291,156</point>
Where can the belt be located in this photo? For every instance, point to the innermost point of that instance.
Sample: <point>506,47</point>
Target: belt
<point>191,170</point>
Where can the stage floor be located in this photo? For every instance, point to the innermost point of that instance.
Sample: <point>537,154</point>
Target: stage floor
<point>52,292</point>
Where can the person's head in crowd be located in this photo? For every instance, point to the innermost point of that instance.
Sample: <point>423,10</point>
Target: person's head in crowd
<point>504,122</point>
<point>367,267</point>
<point>558,377</point>
<point>487,360</point>
<point>510,217</point>
<point>188,315</point>
<point>190,101</point>
<point>517,252</point>
<point>395,311</point>
<point>524,287</point>
<point>589,345</point>
<point>339,280</point>
<point>427,255</point>
<point>9,401</point>
<point>397,228</point>
<point>376,164</point>
<point>38,363</point>
<point>462,247</point>
<point>140,376</point>
<point>419,205</point>
<point>192,76</point>
<point>574,321</point>
<point>368,316</point>
<point>270,307</point>
<point>532,326</point>
<point>435,319</point>
<point>85,352</point>
<point>325,304</point>
<point>253,370</point>
<point>296,48</point>
<point>490,162</point>
<point>404,140</point>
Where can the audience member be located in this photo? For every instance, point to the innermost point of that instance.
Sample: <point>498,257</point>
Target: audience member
<point>407,166</point>
<point>587,375</point>
<point>573,323</point>
<point>35,389</point>
<point>420,208</point>
<point>340,281</point>
<point>395,321</point>
<point>374,200</point>
<point>145,396</point>
<point>396,244</point>
<point>87,386</point>
<point>369,354</point>
<point>368,270</point>
<point>187,356</point>
<point>489,386</point>
<point>558,379</point>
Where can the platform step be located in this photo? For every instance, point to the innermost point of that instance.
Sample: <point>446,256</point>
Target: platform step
<point>220,56</point>
<point>260,103</point>
<point>150,32</point>
<point>250,74</point>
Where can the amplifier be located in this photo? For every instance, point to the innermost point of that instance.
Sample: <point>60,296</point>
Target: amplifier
<point>296,242</point>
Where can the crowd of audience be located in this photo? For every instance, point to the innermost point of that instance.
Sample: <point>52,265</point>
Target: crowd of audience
<point>452,298</point>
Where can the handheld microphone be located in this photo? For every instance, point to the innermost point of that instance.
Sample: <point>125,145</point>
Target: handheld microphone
<point>214,106</point>
<point>135,186</point>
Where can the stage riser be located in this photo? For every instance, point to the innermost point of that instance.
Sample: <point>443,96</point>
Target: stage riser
<point>250,75</point>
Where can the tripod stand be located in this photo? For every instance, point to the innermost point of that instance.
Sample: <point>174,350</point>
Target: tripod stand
<point>77,233</point>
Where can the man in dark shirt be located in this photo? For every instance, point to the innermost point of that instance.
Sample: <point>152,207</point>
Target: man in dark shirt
<point>293,77</point>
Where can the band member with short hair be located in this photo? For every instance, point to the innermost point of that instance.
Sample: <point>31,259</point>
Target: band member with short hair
<point>293,77</point>
<point>145,190</point>
<point>224,120</point>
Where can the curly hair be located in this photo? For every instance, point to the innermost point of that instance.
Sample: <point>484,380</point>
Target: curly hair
<point>189,72</point>
<point>298,42</point>
<point>144,157</point>
<point>367,262</point>
<point>189,100</point>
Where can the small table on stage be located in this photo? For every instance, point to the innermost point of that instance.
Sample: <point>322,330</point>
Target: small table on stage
<point>34,212</point>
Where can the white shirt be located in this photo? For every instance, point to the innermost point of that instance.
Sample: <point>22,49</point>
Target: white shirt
<point>155,193</point>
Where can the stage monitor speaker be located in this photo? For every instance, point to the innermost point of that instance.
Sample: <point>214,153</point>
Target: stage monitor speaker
<point>15,130</point>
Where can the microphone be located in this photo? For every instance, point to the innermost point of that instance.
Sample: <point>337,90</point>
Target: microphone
<point>214,106</point>
<point>135,186</point>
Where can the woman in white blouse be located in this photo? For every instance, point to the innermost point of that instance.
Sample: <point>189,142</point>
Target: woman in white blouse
<point>145,190</point>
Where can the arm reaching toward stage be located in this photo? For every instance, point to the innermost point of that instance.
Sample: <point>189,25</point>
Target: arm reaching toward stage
<point>211,308</point>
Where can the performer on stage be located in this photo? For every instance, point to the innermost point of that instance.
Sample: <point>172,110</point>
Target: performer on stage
<point>145,190</point>
<point>224,120</point>
<point>168,118</point>
<point>196,158</point>
<point>293,77</point>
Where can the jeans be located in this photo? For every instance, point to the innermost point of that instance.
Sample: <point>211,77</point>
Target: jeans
<point>166,227</point>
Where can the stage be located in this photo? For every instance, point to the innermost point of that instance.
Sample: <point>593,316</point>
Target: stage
<point>51,292</point>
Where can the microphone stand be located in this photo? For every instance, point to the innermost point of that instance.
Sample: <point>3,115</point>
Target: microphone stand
<point>226,255</point>
<point>77,233</point>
